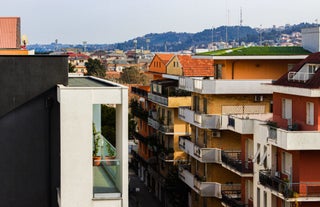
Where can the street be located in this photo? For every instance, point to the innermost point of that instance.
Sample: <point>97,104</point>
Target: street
<point>139,196</point>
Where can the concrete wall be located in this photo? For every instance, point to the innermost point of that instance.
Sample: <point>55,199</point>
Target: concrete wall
<point>29,128</point>
<point>76,144</point>
<point>311,39</point>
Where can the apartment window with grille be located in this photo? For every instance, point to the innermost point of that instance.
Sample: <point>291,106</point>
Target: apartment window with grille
<point>286,108</point>
<point>310,113</point>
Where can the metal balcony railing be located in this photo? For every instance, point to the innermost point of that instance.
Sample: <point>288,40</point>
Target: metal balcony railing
<point>289,189</point>
<point>139,92</point>
<point>233,160</point>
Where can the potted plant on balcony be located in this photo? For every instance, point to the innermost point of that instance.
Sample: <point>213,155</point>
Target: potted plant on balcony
<point>111,154</point>
<point>98,143</point>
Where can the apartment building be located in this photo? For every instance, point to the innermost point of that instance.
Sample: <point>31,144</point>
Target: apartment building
<point>47,141</point>
<point>221,145</point>
<point>287,148</point>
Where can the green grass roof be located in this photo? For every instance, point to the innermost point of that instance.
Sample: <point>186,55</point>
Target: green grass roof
<point>258,51</point>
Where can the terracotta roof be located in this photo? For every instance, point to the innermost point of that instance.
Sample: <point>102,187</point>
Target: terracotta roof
<point>77,56</point>
<point>10,32</point>
<point>312,82</point>
<point>196,67</point>
<point>165,58</point>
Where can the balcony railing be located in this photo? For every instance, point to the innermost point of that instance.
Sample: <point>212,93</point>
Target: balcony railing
<point>208,121</point>
<point>140,137</point>
<point>140,92</point>
<point>214,86</point>
<point>231,196</point>
<point>138,111</point>
<point>289,189</point>
<point>106,177</point>
<point>167,129</point>
<point>233,160</point>
<point>293,140</point>
<point>205,155</point>
<point>299,76</point>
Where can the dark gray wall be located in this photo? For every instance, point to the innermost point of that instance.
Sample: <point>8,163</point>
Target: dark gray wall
<point>24,77</point>
<point>30,130</point>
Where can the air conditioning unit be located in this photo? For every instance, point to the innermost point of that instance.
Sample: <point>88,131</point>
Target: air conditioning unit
<point>216,133</point>
<point>258,98</point>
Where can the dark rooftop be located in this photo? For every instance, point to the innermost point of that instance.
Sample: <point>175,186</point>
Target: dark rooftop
<point>87,82</point>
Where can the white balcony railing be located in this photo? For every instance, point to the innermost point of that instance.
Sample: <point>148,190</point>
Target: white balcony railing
<point>204,155</point>
<point>214,86</point>
<point>204,121</point>
<point>294,140</point>
<point>204,189</point>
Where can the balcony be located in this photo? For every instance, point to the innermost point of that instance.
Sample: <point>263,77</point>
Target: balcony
<point>232,161</point>
<point>204,189</point>
<point>139,137</point>
<point>166,129</point>
<point>140,92</point>
<point>299,76</point>
<point>105,179</point>
<point>214,86</point>
<point>167,155</point>
<point>231,196</point>
<point>287,190</point>
<point>138,111</point>
<point>204,121</point>
<point>293,140</point>
<point>171,97</point>
<point>204,155</point>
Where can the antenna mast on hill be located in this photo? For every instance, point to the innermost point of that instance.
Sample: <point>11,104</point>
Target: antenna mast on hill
<point>241,21</point>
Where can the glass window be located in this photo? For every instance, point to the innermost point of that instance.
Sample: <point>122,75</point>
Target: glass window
<point>286,108</point>
<point>310,113</point>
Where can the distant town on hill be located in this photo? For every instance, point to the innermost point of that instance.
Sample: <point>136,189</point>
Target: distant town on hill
<point>174,42</point>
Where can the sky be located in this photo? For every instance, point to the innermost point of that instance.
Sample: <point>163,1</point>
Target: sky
<point>113,21</point>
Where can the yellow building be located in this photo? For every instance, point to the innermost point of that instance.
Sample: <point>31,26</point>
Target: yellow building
<point>220,147</point>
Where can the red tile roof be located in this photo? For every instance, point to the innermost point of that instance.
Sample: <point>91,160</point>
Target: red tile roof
<point>312,82</point>
<point>10,32</point>
<point>196,67</point>
<point>165,58</point>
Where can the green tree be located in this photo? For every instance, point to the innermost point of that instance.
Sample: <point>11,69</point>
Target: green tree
<point>95,68</point>
<point>132,75</point>
<point>108,123</point>
<point>71,68</point>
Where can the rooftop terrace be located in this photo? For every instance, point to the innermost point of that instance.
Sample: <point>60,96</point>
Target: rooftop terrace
<point>257,51</point>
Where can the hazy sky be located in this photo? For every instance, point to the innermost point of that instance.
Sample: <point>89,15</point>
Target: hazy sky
<point>111,21</point>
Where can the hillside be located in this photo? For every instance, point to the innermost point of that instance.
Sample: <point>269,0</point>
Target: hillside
<point>173,41</point>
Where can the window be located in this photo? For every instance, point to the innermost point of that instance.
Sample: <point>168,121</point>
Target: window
<point>218,71</point>
<point>258,197</point>
<point>310,113</point>
<point>286,163</point>
<point>196,103</point>
<point>205,105</point>
<point>286,108</point>
<point>265,199</point>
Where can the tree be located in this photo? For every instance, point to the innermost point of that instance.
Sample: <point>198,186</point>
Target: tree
<point>132,75</point>
<point>71,68</point>
<point>95,68</point>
